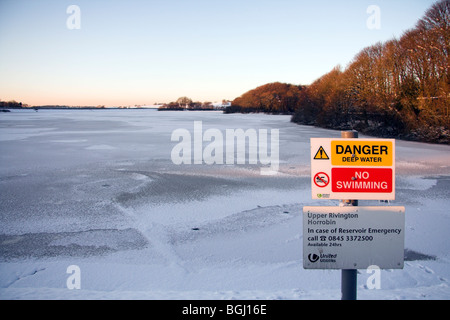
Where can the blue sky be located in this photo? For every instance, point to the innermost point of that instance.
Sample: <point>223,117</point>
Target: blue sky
<point>140,52</point>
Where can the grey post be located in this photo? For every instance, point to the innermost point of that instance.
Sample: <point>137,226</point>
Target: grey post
<point>349,276</point>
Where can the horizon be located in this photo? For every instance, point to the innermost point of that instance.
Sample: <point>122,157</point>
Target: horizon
<point>127,53</point>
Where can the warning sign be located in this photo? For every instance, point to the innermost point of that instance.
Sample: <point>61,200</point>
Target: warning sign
<point>321,154</point>
<point>357,169</point>
<point>362,153</point>
<point>362,180</point>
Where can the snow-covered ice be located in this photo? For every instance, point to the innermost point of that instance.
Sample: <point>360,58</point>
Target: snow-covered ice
<point>97,189</point>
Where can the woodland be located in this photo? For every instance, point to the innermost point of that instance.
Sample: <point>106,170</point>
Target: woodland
<point>397,89</point>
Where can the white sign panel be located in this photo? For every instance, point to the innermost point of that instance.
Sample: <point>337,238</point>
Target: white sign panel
<point>353,237</point>
<point>353,169</point>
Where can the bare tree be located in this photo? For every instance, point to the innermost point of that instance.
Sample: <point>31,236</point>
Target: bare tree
<point>184,102</point>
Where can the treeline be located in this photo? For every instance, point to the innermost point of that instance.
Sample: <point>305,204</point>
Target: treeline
<point>270,98</point>
<point>68,107</point>
<point>11,104</point>
<point>185,103</point>
<point>17,105</point>
<point>395,89</point>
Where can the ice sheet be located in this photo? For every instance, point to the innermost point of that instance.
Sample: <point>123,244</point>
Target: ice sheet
<point>98,189</point>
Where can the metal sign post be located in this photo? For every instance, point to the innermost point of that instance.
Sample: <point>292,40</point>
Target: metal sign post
<point>349,276</point>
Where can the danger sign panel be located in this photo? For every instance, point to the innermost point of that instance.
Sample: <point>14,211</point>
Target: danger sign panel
<point>343,168</point>
<point>362,153</point>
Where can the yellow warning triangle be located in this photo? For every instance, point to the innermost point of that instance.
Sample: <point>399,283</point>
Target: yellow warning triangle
<point>321,154</point>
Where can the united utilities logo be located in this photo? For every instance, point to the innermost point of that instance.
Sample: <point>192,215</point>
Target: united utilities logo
<point>328,257</point>
<point>323,257</point>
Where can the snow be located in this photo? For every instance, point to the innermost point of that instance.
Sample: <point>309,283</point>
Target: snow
<point>97,189</point>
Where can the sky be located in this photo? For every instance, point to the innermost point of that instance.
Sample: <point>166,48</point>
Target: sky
<point>136,52</point>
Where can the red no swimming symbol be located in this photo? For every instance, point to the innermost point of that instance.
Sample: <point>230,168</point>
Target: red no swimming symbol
<point>321,179</point>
